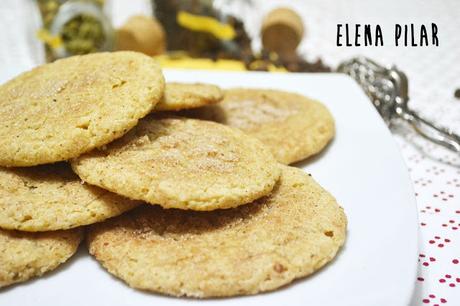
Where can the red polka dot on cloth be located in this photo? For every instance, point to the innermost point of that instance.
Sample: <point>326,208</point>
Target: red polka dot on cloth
<point>439,225</point>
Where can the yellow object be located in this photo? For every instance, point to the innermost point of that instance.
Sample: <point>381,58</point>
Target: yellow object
<point>182,61</point>
<point>52,41</point>
<point>206,24</point>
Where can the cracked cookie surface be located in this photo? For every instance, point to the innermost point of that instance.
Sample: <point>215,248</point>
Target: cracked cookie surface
<point>60,110</point>
<point>52,197</point>
<point>27,255</point>
<point>182,163</point>
<point>253,248</point>
<point>293,126</point>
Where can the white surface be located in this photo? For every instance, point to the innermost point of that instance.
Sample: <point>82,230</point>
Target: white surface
<point>20,49</point>
<point>434,74</point>
<point>362,168</point>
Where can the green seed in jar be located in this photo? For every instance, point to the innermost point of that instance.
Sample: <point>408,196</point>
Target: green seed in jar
<point>83,34</point>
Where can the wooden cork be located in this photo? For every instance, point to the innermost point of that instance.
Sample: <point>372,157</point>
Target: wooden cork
<point>143,34</point>
<point>282,31</point>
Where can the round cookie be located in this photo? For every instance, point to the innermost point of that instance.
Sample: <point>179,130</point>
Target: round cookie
<point>245,250</point>
<point>179,96</point>
<point>182,163</point>
<point>60,110</point>
<point>52,197</point>
<point>292,126</point>
<point>27,255</point>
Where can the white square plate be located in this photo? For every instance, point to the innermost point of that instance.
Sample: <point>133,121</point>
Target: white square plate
<point>362,168</point>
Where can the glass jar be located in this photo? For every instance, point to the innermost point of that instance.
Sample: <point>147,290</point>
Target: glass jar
<point>75,27</point>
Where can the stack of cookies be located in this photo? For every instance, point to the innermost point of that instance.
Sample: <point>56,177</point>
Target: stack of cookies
<point>181,189</point>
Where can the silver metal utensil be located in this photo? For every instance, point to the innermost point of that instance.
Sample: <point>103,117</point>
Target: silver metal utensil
<point>388,90</point>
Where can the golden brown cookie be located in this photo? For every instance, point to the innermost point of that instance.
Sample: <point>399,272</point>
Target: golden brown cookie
<point>60,110</point>
<point>292,126</point>
<point>245,250</point>
<point>27,255</point>
<point>52,197</point>
<point>179,96</point>
<point>182,163</point>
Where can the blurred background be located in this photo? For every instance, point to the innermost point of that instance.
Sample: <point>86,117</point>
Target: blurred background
<point>273,35</point>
